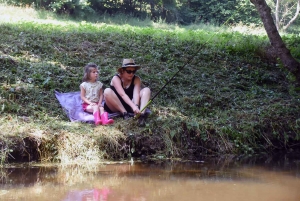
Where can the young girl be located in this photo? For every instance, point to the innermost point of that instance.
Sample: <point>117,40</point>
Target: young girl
<point>91,94</point>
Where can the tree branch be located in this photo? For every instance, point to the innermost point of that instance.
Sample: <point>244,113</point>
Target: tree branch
<point>295,16</point>
<point>276,41</point>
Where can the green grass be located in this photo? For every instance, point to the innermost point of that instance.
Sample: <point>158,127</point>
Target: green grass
<point>228,99</point>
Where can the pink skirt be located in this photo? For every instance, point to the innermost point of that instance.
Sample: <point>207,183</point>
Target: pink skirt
<point>84,106</point>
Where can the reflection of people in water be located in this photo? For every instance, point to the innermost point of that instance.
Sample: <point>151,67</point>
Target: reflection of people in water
<point>88,195</point>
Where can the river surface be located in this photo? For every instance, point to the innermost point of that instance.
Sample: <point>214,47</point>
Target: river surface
<point>219,179</point>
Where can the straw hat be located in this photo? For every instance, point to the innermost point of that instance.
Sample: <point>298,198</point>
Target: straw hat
<point>129,63</point>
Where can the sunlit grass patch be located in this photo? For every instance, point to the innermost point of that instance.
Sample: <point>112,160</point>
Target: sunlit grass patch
<point>13,13</point>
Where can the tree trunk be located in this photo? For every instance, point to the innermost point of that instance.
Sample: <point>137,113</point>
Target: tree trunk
<point>152,10</point>
<point>276,41</point>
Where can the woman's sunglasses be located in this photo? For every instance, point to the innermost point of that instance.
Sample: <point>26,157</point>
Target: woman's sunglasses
<point>130,71</point>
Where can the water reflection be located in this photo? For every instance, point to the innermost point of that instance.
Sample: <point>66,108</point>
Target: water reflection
<point>246,179</point>
<point>88,195</point>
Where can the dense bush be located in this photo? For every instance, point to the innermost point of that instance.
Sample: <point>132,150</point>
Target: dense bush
<point>170,11</point>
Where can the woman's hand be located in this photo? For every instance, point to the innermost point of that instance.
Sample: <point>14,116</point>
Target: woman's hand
<point>136,109</point>
<point>93,104</point>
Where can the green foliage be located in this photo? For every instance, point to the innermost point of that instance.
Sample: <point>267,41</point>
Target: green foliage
<point>292,42</point>
<point>226,100</point>
<point>246,13</point>
<point>169,11</point>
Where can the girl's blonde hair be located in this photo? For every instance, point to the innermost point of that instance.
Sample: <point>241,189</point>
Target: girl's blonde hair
<point>87,71</point>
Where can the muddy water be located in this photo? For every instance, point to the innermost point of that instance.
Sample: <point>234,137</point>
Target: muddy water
<point>259,179</point>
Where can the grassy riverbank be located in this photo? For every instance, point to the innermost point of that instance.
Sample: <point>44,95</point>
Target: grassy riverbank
<point>233,97</point>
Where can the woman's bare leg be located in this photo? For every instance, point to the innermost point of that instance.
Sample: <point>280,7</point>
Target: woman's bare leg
<point>145,97</point>
<point>112,101</point>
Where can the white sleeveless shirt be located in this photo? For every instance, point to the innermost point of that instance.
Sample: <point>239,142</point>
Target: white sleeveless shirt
<point>92,90</point>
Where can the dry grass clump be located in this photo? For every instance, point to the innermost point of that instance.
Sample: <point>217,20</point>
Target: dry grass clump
<point>74,148</point>
<point>89,147</point>
<point>110,140</point>
<point>13,132</point>
<point>49,140</point>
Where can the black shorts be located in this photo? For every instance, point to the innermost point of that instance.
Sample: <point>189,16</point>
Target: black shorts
<point>126,106</point>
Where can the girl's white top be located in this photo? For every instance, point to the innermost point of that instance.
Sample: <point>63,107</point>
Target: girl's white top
<point>92,90</point>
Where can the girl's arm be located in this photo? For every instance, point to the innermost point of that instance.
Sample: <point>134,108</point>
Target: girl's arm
<point>100,101</point>
<point>116,82</point>
<point>100,97</point>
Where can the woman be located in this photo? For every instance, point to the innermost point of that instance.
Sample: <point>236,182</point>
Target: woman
<point>125,94</point>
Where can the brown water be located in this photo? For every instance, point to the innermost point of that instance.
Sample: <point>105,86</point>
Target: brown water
<point>263,179</point>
